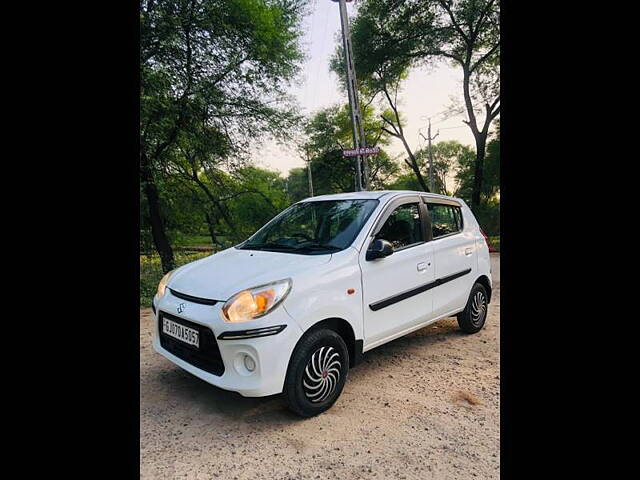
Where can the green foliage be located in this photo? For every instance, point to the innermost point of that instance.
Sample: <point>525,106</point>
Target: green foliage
<point>251,196</point>
<point>258,196</point>
<point>491,174</point>
<point>488,216</point>
<point>488,211</point>
<point>447,157</point>
<point>380,60</point>
<point>194,240</point>
<point>495,242</point>
<point>405,181</point>
<point>214,76</point>
<point>211,71</point>
<point>390,37</point>
<point>381,66</point>
<point>297,184</point>
<point>328,133</point>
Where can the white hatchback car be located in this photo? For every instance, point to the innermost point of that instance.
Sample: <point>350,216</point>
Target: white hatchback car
<point>292,308</point>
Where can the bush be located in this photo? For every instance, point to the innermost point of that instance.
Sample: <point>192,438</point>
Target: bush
<point>488,216</point>
<point>495,242</point>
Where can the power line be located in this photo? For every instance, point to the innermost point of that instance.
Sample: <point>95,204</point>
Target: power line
<point>449,128</point>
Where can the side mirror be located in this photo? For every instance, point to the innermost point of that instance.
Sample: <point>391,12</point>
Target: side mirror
<point>379,248</point>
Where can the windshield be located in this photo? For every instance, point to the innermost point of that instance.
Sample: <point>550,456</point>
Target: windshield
<point>313,227</point>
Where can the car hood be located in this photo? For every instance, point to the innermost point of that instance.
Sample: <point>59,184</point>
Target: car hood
<point>224,274</point>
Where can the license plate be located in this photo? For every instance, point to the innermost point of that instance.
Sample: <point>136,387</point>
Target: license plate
<point>180,332</point>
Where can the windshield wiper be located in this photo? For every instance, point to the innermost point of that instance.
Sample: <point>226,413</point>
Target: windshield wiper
<point>268,245</point>
<point>290,248</point>
<point>318,246</point>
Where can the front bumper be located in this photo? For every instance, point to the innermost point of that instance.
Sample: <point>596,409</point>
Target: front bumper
<point>271,353</point>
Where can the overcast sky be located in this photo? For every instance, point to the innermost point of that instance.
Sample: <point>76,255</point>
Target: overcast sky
<point>424,94</point>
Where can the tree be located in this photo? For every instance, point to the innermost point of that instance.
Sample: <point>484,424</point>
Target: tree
<point>380,72</point>
<point>405,181</point>
<point>491,181</point>
<point>471,39</point>
<point>211,71</point>
<point>257,196</point>
<point>328,132</point>
<point>447,157</point>
<point>297,185</point>
<point>465,32</point>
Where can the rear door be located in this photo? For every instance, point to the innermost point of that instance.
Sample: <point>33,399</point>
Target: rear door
<point>393,294</point>
<point>454,254</point>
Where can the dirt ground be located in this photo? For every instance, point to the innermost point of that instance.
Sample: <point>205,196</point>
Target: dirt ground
<point>425,406</point>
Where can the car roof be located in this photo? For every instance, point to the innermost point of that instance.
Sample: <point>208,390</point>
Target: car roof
<point>376,194</point>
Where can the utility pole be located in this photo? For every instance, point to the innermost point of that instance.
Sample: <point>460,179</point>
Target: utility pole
<point>309,174</point>
<point>430,154</point>
<point>362,167</point>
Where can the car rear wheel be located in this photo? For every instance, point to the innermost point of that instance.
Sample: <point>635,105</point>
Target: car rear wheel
<point>317,373</point>
<point>474,315</point>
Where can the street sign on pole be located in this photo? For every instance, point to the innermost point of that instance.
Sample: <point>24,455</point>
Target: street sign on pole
<point>352,152</point>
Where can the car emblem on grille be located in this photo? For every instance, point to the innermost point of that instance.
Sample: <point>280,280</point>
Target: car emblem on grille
<point>181,308</point>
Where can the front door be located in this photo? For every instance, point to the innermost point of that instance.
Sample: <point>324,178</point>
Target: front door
<point>394,299</point>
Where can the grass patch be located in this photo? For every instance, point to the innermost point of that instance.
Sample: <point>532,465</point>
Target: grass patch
<point>151,273</point>
<point>190,240</point>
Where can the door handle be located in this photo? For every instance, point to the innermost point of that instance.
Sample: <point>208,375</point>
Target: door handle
<point>468,251</point>
<point>422,266</point>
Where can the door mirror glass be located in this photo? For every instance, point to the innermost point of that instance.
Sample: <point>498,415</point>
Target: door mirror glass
<point>379,248</point>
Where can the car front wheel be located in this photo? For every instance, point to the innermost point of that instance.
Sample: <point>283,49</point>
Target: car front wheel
<point>317,373</point>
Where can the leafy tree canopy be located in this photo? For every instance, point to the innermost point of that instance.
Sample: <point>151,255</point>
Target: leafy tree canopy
<point>328,132</point>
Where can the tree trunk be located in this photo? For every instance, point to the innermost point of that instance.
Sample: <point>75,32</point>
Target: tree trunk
<point>414,165</point>
<point>160,239</point>
<point>211,225</point>
<point>481,144</point>
<point>219,206</point>
<point>399,133</point>
<point>480,136</point>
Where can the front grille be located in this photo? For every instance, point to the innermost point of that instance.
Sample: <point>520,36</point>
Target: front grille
<point>206,358</point>
<point>184,296</point>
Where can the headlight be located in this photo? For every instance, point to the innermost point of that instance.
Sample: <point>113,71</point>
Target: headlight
<point>255,302</point>
<point>162,286</point>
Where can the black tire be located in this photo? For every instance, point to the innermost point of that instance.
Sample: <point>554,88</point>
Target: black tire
<point>474,315</point>
<point>325,351</point>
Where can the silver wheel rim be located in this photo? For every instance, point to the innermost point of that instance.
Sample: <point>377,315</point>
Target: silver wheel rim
<point>478,308</point>
<point>322,374</point>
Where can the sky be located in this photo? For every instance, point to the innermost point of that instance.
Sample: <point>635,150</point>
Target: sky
<point>424,93</point>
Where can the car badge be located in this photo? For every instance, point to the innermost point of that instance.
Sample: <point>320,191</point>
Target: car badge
<point>181,308</point>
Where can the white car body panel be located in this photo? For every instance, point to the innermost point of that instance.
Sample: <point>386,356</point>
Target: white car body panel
<point>319,291</point>
<point>454,254</point>
<point>226,273</point>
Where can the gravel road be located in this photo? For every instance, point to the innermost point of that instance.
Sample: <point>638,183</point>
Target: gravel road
<point>425,406</point>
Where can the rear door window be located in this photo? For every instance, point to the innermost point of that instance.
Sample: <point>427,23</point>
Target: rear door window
<point>445,219</point>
